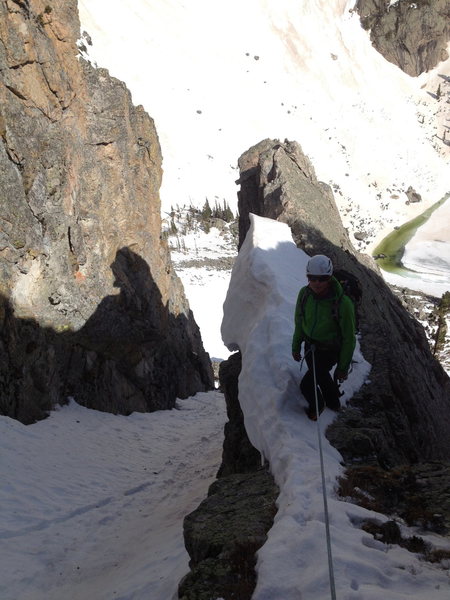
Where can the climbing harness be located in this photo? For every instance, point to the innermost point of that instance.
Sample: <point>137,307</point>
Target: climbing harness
<point>324,492</point>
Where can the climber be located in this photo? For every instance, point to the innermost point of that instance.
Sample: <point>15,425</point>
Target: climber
<point>325,322</point>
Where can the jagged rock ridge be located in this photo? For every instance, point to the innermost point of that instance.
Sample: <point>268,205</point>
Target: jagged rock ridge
<point>412,35</point>
<point>402,415</point>
<point>388,422</point>
<point>90,304</point>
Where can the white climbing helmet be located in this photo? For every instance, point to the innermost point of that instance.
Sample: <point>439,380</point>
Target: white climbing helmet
<point>319,265</point>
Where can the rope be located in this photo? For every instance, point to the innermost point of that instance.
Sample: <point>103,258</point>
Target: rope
<point>306,354</point>
<point>324,492</point>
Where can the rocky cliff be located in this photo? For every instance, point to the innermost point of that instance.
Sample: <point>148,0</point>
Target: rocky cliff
<point>392,427</point>
<point>412,35</point>
<point>402,415</point>
<point>90,305</point>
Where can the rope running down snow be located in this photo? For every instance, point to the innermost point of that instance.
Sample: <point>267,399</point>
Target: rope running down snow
<point>324,492</point>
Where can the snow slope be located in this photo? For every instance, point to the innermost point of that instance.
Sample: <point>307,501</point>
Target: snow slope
<point>218,77</point>
<point>292,565</point>
<point>92,504</point>
<point>198,258</point>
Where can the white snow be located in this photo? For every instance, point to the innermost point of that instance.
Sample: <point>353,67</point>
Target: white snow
<point>205,285</point>
<point>92,504</point>
<point>293,563</point>
<point>218,77</point>
<point>206,291</point>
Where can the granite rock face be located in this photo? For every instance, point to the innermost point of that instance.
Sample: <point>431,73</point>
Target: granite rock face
<point>412,35</point>
<point>402,415</point>
<point>90,305</point>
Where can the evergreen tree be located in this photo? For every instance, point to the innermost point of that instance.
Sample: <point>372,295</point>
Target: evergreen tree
<point>217,212</point>
<point>227,213</point>
<point>206,211</point>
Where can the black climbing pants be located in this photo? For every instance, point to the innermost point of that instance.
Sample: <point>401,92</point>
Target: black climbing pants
<point>328,389</point>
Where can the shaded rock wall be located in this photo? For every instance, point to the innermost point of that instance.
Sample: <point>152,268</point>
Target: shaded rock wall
<point>239,456</point>
<point>401,415</point>
<point>412,35</point>
<point>91,306</point>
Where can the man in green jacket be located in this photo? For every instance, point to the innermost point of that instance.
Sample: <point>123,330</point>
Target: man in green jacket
<point>325,322</point>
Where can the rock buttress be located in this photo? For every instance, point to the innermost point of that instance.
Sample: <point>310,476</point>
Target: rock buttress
<point>412,35</point>
<point>223,535</point>
<point>90,305</point>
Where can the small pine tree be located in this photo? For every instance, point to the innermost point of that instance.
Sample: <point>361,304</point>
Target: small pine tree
<point>217,211</point>
<point>438,92</point>
<point>206,211</point>
<point>227,213</point>
<point>189,222</point>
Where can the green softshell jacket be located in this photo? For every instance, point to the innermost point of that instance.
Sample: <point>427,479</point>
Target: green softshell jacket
<point>327,322</point>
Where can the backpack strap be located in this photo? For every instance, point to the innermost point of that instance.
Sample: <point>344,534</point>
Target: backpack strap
<point>335,307</point>
<point>303,300</point>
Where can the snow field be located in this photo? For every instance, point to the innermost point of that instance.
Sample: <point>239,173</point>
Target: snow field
<point>92,504</point>
<point>229,75</point>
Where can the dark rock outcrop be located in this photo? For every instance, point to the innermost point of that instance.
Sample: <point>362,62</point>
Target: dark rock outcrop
<point>418,494</point>
<point>402,415</point>
<point>239,456</point>
<point>412,35</point>
<point>80,171</point>
<point>224,533</point>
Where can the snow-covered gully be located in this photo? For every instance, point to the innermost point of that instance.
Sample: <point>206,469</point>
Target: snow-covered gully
<point>92,504</point>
